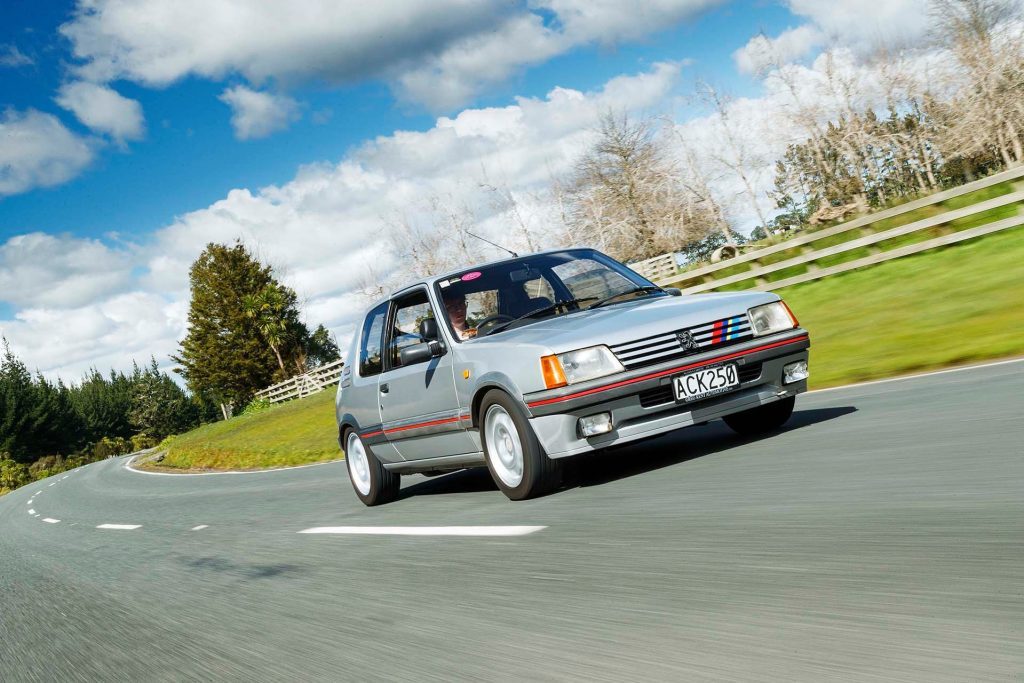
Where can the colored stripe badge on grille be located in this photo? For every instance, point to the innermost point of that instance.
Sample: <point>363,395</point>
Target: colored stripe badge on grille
<point>733,326</point>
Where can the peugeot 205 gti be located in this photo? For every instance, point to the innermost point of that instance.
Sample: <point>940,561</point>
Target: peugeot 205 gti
<point>518,364</point>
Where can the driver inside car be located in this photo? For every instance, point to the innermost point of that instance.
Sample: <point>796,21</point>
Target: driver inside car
<point>455,305</point>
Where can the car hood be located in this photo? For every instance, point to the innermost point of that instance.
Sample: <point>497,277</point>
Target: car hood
<point>622,322</point>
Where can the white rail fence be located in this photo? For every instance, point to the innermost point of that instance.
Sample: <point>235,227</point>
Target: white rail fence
<point>303,385</point>
<point>710,276</point>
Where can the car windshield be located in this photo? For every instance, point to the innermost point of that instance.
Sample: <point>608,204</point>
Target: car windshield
<point>489,299</point>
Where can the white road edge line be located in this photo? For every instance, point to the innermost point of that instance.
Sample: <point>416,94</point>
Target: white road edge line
<point>128,466</point>
<point>122,527</point>
<point>50,520</point>
<point>200,527</point>
<point>918,376</point>
<point>425,530</point>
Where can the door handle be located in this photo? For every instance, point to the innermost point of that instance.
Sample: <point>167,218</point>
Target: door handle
<point>384,388</point>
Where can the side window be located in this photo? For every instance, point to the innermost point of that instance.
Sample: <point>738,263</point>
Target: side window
<point>410,312</point>
<point>372,341</point>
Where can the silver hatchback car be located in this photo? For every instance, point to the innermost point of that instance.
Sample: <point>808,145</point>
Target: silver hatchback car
<point>518,364</point>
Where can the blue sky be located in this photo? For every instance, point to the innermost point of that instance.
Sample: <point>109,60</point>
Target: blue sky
<point>189,157</point>
<point>133,134</point>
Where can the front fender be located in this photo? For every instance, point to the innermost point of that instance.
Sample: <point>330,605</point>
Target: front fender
<point>494,380</point>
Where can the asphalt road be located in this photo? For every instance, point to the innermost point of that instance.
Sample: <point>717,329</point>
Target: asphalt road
<point>879,536</point>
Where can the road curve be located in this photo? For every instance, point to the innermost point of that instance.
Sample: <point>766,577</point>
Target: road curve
<point>880,536</point>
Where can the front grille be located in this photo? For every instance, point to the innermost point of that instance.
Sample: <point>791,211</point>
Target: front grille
<point>670,346</point>
<point>664,394</point>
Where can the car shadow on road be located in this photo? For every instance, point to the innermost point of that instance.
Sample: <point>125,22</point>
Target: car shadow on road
<point>681,446</point>
<point>463,481</point>
<point>632,459</point>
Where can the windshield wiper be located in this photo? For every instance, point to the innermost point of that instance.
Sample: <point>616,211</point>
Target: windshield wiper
<point>645,289</point>
<point>539,311</point>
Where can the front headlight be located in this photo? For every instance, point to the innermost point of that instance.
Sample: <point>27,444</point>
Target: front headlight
<point>770,318</point>
<point>579,366</point>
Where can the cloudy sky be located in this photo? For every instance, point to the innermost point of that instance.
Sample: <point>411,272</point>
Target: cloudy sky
<point>134,132</point>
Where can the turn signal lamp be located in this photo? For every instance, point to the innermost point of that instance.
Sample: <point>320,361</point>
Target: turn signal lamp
<point>551,369</point>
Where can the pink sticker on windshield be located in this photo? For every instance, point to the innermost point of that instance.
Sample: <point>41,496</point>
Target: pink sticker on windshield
<point>471,276</point>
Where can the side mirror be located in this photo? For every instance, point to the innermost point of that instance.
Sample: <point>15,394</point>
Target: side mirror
<point>428,328</point>
<point>674,291</point>
<point>419,353</point>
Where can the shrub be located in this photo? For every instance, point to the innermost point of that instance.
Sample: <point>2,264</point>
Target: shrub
<point>257,405</point>
<point>142,441</point>
<point>12,474</point>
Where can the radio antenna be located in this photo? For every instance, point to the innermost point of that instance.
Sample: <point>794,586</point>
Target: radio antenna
<point>514,254</point>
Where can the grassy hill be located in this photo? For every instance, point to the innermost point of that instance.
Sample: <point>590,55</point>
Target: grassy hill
<point>931,310</point>
<point>294,433</point>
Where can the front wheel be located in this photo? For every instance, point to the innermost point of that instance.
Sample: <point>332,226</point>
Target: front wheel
<point>373,484</point>
<point>515,458</point>
<point>761,419</point>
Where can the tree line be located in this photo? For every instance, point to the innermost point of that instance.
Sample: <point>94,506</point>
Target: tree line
<point>46,426</point>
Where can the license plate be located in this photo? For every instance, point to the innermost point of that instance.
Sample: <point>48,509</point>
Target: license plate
<point>706,382</point>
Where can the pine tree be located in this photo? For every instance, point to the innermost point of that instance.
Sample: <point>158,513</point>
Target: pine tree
<point>159,406</point>
<point>224,357</point>
<point>17,399</point>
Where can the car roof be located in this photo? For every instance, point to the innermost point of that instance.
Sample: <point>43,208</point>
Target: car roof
<point>434,278</point>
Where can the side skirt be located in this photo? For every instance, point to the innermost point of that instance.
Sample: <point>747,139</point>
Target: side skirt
<point>454,462</point>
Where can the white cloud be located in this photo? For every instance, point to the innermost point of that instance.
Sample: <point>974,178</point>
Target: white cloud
<point>256,114</point>
<point>36,150</point>
<point>157,43</point>
<point>790,45</point>
<point>38,269</point>
<point>110,333</point>
<point>475,62</point>
<point>863,25</point>
<point>11,57</point>
<point>438,52</point>
<point>103,110</point>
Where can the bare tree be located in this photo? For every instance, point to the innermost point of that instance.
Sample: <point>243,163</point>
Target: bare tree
<point>627,197</point>
<point>733,154</point>
<point>987,113</point>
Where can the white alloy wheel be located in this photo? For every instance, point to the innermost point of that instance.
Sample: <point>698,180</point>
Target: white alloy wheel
<point>358,463</point>
<point>504,449</point>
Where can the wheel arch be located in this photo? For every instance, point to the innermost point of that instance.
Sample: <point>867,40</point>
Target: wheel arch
<point>494,382</point>
<point>346,423</point>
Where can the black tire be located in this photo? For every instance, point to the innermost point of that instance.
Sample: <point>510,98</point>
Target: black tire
<point>761,419</point>
<point>377,485</point>
<point>540,474</point>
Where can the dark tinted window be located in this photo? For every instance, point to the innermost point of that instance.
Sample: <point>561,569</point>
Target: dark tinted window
<point>372,341</point>
<point>410,312</point>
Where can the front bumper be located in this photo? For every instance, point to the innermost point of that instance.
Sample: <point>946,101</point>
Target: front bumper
<point>641,402</point>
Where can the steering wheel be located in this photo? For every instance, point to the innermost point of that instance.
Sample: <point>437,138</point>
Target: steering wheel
<point>492,320</point>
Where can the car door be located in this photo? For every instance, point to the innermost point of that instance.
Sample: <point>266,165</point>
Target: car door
<point>419,406</point>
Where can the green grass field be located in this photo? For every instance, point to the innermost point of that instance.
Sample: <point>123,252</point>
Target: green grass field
<point>945,307</point>
<point>294,433</point>
<point>940,308</point>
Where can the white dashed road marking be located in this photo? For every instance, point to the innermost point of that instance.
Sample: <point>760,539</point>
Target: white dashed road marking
<point>200,527</point>
<point>425,530</point>
<point>120,527</point>
<point>31,511</point>
<point>50,520</point>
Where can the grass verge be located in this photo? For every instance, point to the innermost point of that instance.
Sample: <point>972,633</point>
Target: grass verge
<point>294,433</point>
<point>940,308</point>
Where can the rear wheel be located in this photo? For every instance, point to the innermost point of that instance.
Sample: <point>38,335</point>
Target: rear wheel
<point>761,419</point>
<point>515,458</point>
<point>373,484</point>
